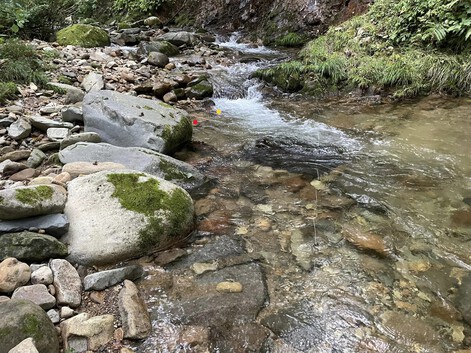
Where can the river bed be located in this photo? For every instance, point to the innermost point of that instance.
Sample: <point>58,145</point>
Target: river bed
<point>359,216</point>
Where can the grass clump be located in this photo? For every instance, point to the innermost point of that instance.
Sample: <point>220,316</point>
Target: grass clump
<point>291,40</point>
<point>389,50</point>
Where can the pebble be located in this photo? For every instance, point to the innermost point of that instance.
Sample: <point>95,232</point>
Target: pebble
<point>202,267</point>
<point>42,275</point>
<point>229,287</point>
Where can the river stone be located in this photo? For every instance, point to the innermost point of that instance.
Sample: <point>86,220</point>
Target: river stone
<point>73,95</point>
<point>82,333</point>
<point>31,247</point>
<point>92,137</point>
<point>157,59</point>
<point>133,311</point>
<point>15,156</point>
<point>462,298</point>
<point>28,201</point>
<point>93,82</point>
<point>85,168</point>
<point>57,133</point>
<point>42,123</point>
<point>37,293</point>
<point>104,279</point>
<point>178,38</point>
<point>25,174</point>
<point>107,226</point>
<point>35,158</point>
<point>53,224</point>
<point>20,129</point>
<point>72,114</point>
<point>83,35</point>
<point>22,319</point>
<point>137,158</point>
<point>25,346</point>
<point>128,121</point>
<point>163,47</point>
<point>67,283</point>
<point>42,275</point>
<point>13,274</point>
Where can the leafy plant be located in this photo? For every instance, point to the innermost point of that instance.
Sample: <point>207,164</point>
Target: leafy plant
<point>7,91</point>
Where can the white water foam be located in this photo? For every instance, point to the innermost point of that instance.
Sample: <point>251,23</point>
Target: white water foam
<point>234,44</point>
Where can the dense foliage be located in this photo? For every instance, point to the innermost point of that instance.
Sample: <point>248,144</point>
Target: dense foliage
<point>406,48</point>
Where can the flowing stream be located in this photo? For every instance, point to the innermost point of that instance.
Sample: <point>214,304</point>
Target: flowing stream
<point>362,213</point>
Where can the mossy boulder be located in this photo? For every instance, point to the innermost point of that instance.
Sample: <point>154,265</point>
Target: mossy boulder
<point>202,89</point>
<point>22,319</point>
<point>162,46</point>
<point>115,216</point>
<point>83,35</point>
<point>31,247</point>
<point>28,201</point>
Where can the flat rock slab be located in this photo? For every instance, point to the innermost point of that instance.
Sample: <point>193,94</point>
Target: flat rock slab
<point>124,120</point>
<point>137,158</point>
<point>42,123</point>
<point>28,201</point>
<point>67,283</point>
<point>53,224</point>
<point>83,137</point>
<point>31,247</point>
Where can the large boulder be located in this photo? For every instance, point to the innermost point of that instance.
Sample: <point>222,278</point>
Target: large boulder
<point>31,247</point>
<point>83,35</point>
<point>28,201</point>
<point>117,215</point>
<point>124,120</point>
<point>22,319</point>
<point>137,158</point>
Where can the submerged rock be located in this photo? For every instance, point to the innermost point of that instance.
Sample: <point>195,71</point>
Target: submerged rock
<point>128,121</point>
<point>117,215</point>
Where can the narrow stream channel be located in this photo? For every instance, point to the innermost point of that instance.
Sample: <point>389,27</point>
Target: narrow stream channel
<point>361,214</point>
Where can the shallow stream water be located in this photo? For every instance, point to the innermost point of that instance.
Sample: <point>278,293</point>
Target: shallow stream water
<point>361,214</point>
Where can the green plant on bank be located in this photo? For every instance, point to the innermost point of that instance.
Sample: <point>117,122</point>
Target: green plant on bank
<point>291,40</point>
<point>384,53</point>
<point>7,91</point>
<point>136,7</point>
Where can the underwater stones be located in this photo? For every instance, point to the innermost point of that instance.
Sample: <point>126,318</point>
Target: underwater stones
<point>28,201</point>
<point>83,35</point>
<point>366,240</point>
<point>124,120</point>
<point>116,215</point>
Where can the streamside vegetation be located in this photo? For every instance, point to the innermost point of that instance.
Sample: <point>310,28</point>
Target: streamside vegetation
<point>403,48</point>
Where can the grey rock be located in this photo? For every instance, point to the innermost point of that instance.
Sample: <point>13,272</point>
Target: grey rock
<point>82,333</point>
<point>51,108</point>
<point>5,163</point>
<point>42,275</point>
<point>178,38</point>
<point>57,133</point>
<point>31,247</point>
<point>73,95</point>
<point>66,312</point>
<point>49,146</point>
<point>8,167</point>
<point>97,215</point>
<point>28,201</point>
<point>15,156</point>
<point>23,319</point>
<point>72,114</point>
<point>35,158</point>
<point>93,82</point>
<point>203,89</point>
<point>163,47</point>
<point>25,346</point>
<point>37,293</point>
<point>7,121</point>
<point>157,59</point>
<point>54,316</point>
<point>13,274</point>
<point>128,121</point>
<point>42,123</point>
<point>92,137</point>
<point>104,279</point>
<point>133,311</point>
<point>137,158</point>
<point>53,224</point>
<point>20,129</point>
<point>67,283</point>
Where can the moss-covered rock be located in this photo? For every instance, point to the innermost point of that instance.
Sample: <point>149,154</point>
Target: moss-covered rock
<point>115,216</point>
<point>203,89</point>
<point>83,35</point>
<point>31,247</point>
<point>22,319</point>
<point>161,46</point>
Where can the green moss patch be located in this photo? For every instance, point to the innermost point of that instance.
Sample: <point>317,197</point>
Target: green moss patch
<point>177,135</point>
<point>166,213</point>
<point>83,35</point>
<point>171,172</point>
<point>35,195</point>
